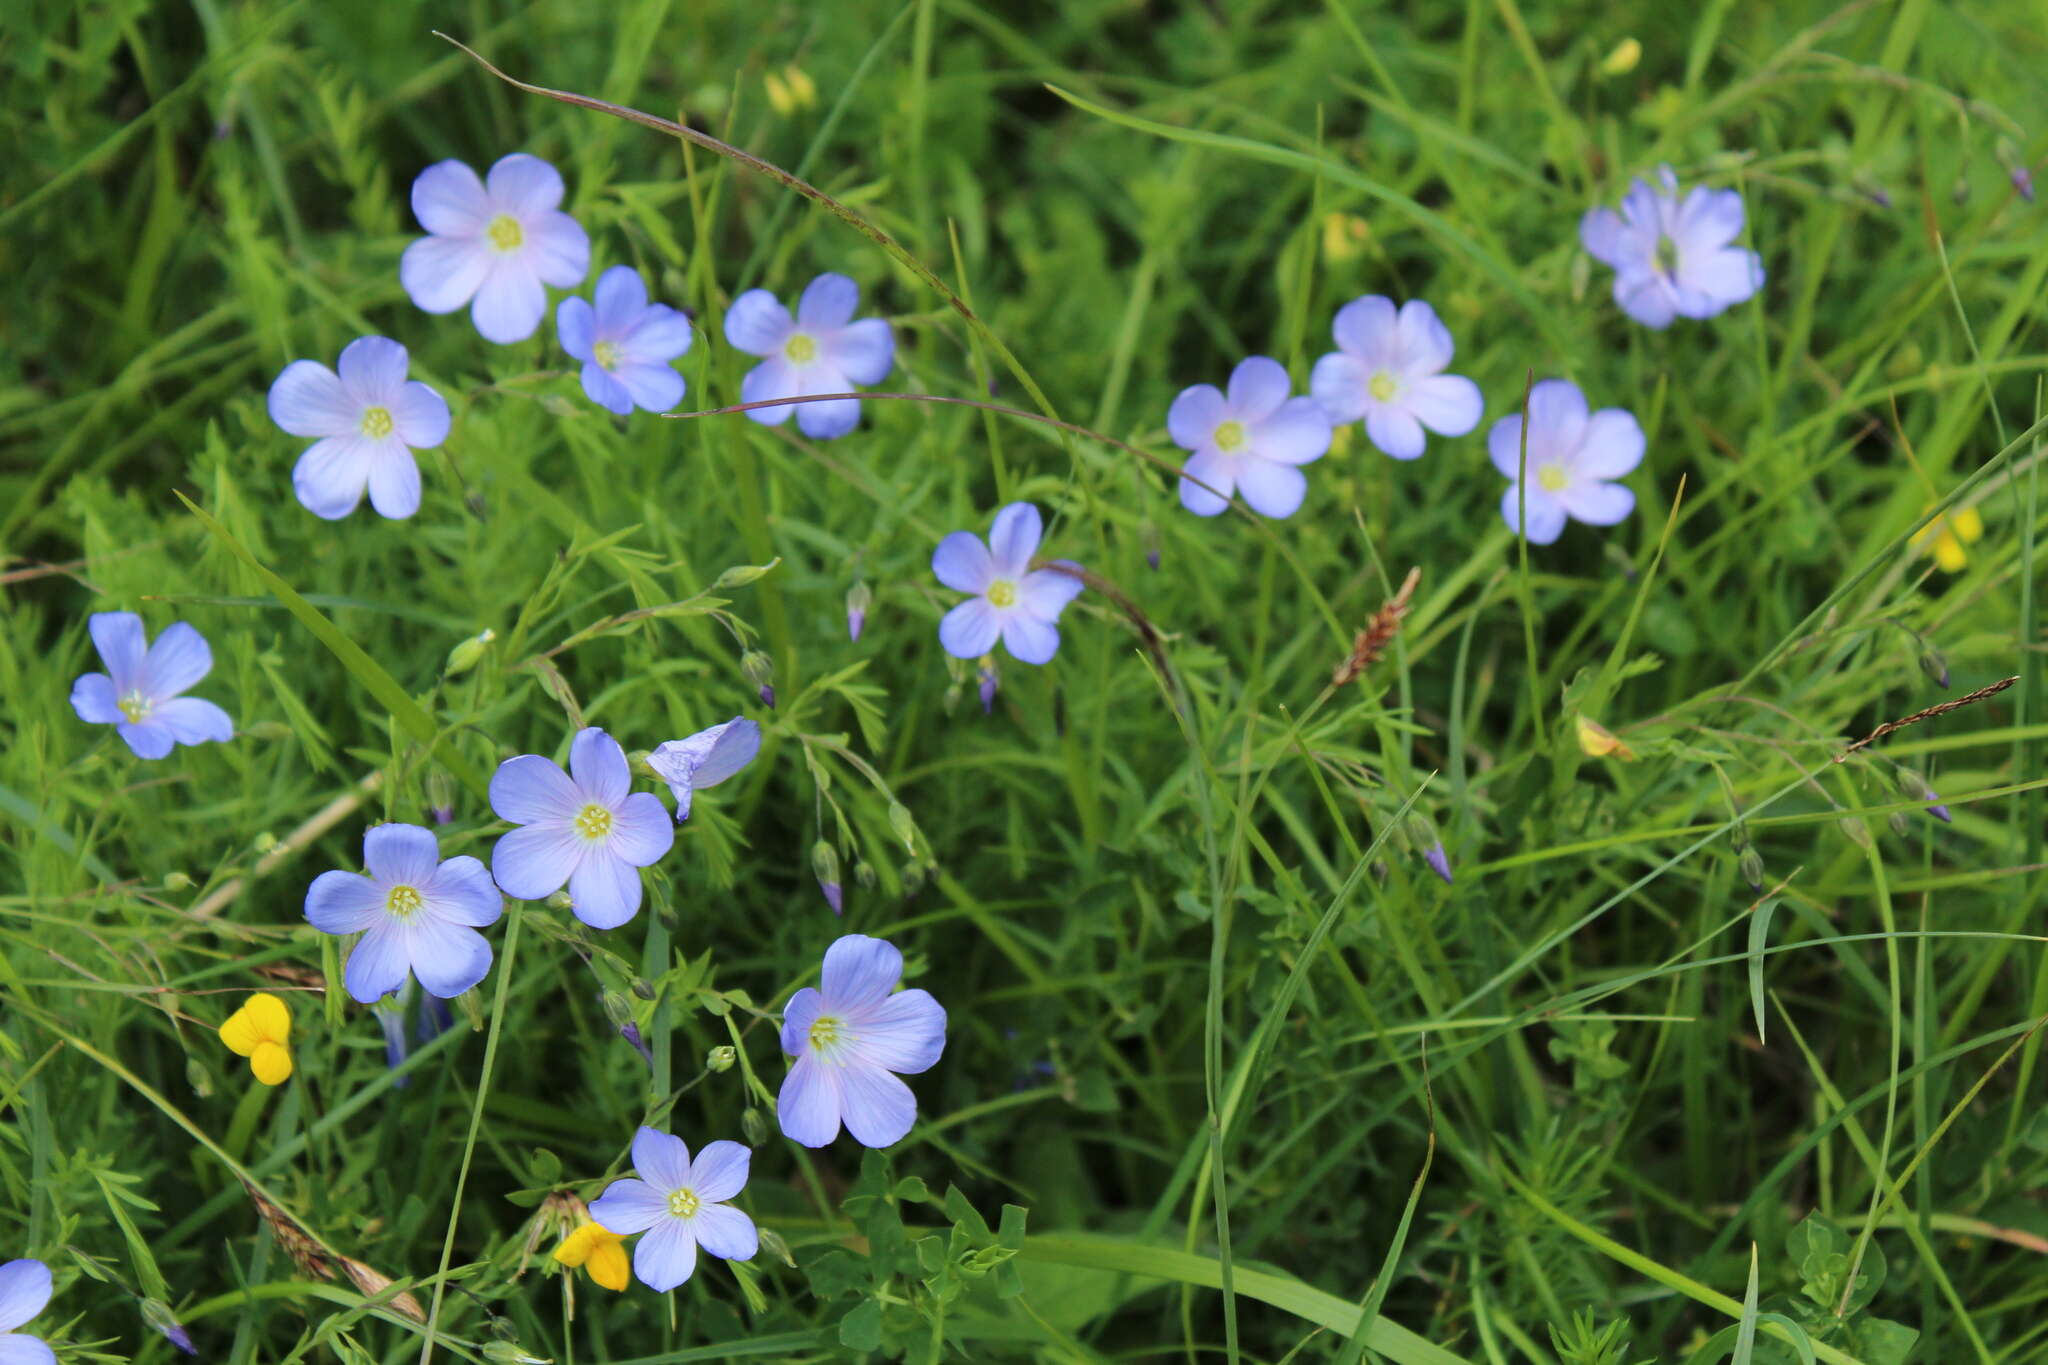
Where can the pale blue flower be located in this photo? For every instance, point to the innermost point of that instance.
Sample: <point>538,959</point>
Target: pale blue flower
<point>705,759</point>
<point>679,1205</point>
<point>369,419</point>
<point>24,1290</point>
<point>498,242</point>
<point>1250,441</point>
<point>626,344</point>
<point>821,350</point>
<point>592,831</point>
<point>1673,257</point>
<point>851,1037</point>
<point>1572,455</point>
<point>138,694</point>
<point>433,1021</point>
<point>1013,601</point>
<point>1388,371</point>
<point>418,915</point>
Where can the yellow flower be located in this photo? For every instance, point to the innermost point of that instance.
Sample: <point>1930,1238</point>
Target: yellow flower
<point>1344,235</point>
<point>261,1031</point>
<point>1598,741</point>
<point>1949,534</point>
<point>600,1251</point>
<point>1623,59</point>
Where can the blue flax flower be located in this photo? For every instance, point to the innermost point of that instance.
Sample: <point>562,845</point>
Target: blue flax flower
<point>679,1205</point>
<point>821,350</point>
<point>590,831</point>
<point>1249,441</point>
<point>626,344</point>
<point>1388,370</point>
<point>1572,455</point>
<point>369,419</point>
<point>138,694</point>
<point>1673,257</point>
<point>418,915</point>
<point>705,759</point>
<point>851,1037</point>
<point>24,1289</point>
<point>1011,599</point>
<point>498,242</point>
<point>434,1020</point>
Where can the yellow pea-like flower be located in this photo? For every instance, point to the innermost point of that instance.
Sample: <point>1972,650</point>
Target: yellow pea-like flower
<point>600,1251</point>
<point>1597,741</point>
<point>1948,536</point>
<point>261,1031</point>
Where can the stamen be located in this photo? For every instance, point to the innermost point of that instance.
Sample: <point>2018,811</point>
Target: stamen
<point>1553,478</point>
<point>684,1203</point>
<point>594,822</point>
<point>1383,387</point>
<point>376,423</point>
<point>136,707</point>
<point>505,233</point>
<point>1666,256</point>
<point>800,349</point>
<point>1229,435</point>
<point>1002,593</point>
<point>403,902</point>
<point>826,1032</point>
<point>606,354</point>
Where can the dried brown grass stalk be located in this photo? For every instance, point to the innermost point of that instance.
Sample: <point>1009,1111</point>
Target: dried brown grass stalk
<point>1938,709</point>
<point>1379,632</point>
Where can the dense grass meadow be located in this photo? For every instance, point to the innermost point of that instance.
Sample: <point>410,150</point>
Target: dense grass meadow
<point>1373,935</point>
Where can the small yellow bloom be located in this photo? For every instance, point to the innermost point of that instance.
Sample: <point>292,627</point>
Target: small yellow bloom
<point>790,90</point>
<point>1623,59</point>
<point>1949,534</point>
<point>1598,741</point>
<point>261,1031</point>
<point>600,1251</point>
<point>1344,236</point>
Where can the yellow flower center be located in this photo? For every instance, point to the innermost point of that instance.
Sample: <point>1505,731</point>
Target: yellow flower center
<point>135,706</point>
<point>376,423</point>
<point>1383,387</point>
<point>1002,593</point>
<point>1666,256</point>
<point>505,233</point>
<point>403,902</point>
<point>825,1033</point>
<point>1230,435</point>
<point>607,354</point>
<point>684,1203</point>
<point>593,822</point>
<point>800,349</point>
<point>1553,478</point>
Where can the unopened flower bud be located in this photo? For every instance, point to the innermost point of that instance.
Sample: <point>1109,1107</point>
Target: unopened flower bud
<point>753,1127</point>
<point>2023,181</point>
<point>196,1077</point>
<point>1439,862</point>
<point>1935,666</point>
<point>858,599</point>
<point>825,867</point>
<point>739,575</point>
<point>643,988</point>
<point>772,1243</point>
<point>988,689</point>
<point>264,842</point>
<point>617,1008</point>
<point>157,1314</point>
<point>905,826</point>
<point>1854,830</point>
<point>511,1353</point>
<point>1899,824</point>
<point>913,878</point>
<point>1751,866</point>
<point>559,901</point>
<point>440,796</point>
<point>864,876</point>
<point>1914,787</point>
<point>177,881</point>
<point>468,653</point>
<point>720,1058</point>
<point>1961,192</point>
<point>630,1031</point>
<point>759,670</point>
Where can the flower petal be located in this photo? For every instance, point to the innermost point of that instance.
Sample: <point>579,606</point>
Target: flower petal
<point>330,477</point>
<point>608,1266</point>
<point>666,1255</point>
<point>1044,593</point>
<point>1448,404</point>
<point>1707,219</point>
<point>878,1108</point>
<point>576,328</point>
<point>148,739</point>
<point>419,416</point>
<point>1014,538</point>
<point>394,481</point>
<point>601,387</point>
<point>1546,514</point>
<point>401,855</point>
<point>598,765</point>
<point>962,562</point>
<point>641,830</point>
<point>803,1009</point>
<point>863,351</point>
<point>724,1231</point>
<point>1365,327</point>
<point>1596,503</point>
<point>1339,383</point>
<point>661,1159</point>
<point>94,699</point>
<point>969,630</point>
<point>24,1292</point>
<point>448,958</point>
<point>1395,431</point>
<point>629,1206</point>
<point>733,747</point>
<point>1258,386</point>
<point>522,185</point>
<point>1195,413</point>
<point>1557,421</point>
<point>1029,639</point>
<point>307,399</point>
<point>263,1018</point>
<point>557,249</point>
<point>448,199</point>
<point>757,323</point>
<point>1611,447</point>
<point>18,1349</point>
<point>192,720</point>
<point>1726,276</point>
<point>772,378</point>
<point>720,1171</point>
<point>1645,296</point>
<point>440,274</point>
<point>858,971</point>
<point>904,1032</point>
<point>1423,340</point>
<point>271,1063</point>
<point>807,1107</point>
<point>604,890</point>
<point>1601,233</point>
<point>372,371</point>
<point>827,302</point>
<point>659,334</point>
<point>618,298</point>
<point>179,658</point>
<point>530,788</point>
<point>1297,432</point>
<point>461,891</point>
<point>1217,475</point>
<point>1270,488</point>
<point>1504,446</point>
<point>344,903</point>
<point>532,862</point>
<point>510,302</point>
<point>379,963</point>
<point>655,388</point>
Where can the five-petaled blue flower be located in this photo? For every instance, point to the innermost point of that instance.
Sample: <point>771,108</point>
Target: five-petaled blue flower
<point>1388,370</point>
<point>705,759</point>
<point>1250,441</point>
<point>626,344</point>
<point>679,1205</point>
<point>418,915</point>
<point>497,242</point>
<point>1011,599</point>
<point>138,694</point>
<point>369,419</point>
<point>821,350</point>
<point>591,831</point>
<point>851,1036</point>
<point>1572,454</point>
<point>1673,257</point>
<point>24,1289</point>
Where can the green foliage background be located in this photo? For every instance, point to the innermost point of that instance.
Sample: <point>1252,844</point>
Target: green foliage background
<point>1213,1020</point>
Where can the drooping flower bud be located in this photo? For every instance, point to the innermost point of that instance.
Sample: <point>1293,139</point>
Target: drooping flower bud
<point>739,575</point>
<point>1854,830</point>
<point>858,599</point>
<point>1439,862</point>
<point>1914,787</point>
<point>440,797</point>
<point>1751,866</point>
<point>720,1058</point>
<point>157,1314</point>
<point>2023,181</point>
<point>1934,665</point>
<point>468,653</point>
<point>988,688</point>
<point>825,867</point>
<point>758,669</point>
<point>864,875</point>
<point>905,825</point>
<point>753,1127</point>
